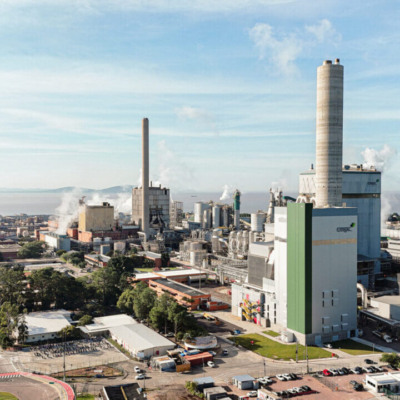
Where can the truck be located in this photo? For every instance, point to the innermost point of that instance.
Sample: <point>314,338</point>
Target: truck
<point>384,336</point>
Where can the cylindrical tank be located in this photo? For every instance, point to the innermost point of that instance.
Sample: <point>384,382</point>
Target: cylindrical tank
<point>329,140</point>
<point>198,212</point>
<point>216,216</point>
<point>207,219</point>
<point>257,221</point>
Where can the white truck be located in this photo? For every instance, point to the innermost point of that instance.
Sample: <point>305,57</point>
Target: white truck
<point>384,336</point>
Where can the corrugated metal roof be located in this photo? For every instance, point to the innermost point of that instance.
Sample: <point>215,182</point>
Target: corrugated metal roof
<point>243,378</point>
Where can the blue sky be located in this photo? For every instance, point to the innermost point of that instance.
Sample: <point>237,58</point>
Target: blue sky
<point>228,86</point>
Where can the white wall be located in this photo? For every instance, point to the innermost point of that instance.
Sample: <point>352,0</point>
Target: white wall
<point>334,266</point>
<point>281,265</point>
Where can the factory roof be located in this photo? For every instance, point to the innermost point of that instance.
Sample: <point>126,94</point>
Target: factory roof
<point>105,323</point>
<point>139,337</point>
<point>395,300</point>
<point>243,378</point>
<point>179,287</point>
<point>47,321</point>
<point>214,390</point>
<point>180,272</point>
<point>385,379</point>
<point>204,380</point>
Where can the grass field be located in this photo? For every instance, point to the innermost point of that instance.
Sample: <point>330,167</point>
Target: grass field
<point>272,333</point>
<point>354,348</point>
<point>85,397</point>
<point>7,396</point>
<point>278,351</point>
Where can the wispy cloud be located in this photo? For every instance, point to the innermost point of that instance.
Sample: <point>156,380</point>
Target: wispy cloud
<point>282,49</point>
<point>200,115</point>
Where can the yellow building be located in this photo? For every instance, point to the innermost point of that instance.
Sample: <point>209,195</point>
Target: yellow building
<point>96,218</point>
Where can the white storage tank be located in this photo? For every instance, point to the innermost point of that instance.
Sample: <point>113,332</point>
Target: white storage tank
<point>216,216</point>
<point>257,221</point>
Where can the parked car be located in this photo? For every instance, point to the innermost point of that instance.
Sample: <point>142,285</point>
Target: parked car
<point>253,393</point>
<point>211,364</point>
<point>326,372</point>
<point>368,361</point>
<point>281,377</point>
<point>306,388</point>
<point>293,376</point>
<point>356,370</point>
<point>137,369</point>
<point>329,346</point>
<point>225,352</point>
<point>333,371</point>
<point>359,387</point>
<point>169,334</point>
<point>346,370</point>
<point>237,332</point>
<point>213,353</point>
<point>379,368</point>
<point>140,376</point>
<point>288,377</point>
<point>353,383</point>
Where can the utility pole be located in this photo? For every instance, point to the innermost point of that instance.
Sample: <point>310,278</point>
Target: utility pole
<point>297,351</point>
<point>64,355</point>
<point>307,358</point>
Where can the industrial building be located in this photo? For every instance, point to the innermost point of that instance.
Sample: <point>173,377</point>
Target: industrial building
<point>183,294</point>
<point>56,241</point>
<point>141,341</point>
<point>302,278</point>
<point>45,325</point>
<point>96,217</point>
<point>150,205</point>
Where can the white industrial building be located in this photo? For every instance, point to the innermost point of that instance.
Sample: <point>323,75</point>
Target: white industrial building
<point>45,325</point>
<point>102,325</point>
<point>379,382</point>
<point>141,341</point>
<point>302,280</point>
<point>361,188</point>
<point>387,307</point>
<point>57,242</point>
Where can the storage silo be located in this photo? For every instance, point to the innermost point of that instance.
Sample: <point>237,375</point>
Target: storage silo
<point>257,221</point>
<point>216,216</point>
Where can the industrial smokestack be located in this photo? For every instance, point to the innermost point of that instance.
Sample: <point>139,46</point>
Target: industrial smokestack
<point>145,177</point>
<point>329,149</point>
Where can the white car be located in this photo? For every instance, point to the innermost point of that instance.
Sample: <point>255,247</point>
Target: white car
<point>211,364</point>
<point>140,376</point>
<point>137,369</point>
<point>333,371</point>
<point>287,376</point>
<point>213,353</point>
<point>253,393</point>
<point>281,378</point>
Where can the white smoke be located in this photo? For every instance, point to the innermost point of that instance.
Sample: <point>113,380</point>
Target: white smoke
<point>173,172</point>
<point>390,203</point>
<point>380,159</point>
<point>68,210</point>
<point>226,193</point>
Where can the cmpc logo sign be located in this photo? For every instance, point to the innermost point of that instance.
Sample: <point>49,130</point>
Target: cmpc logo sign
<point>346,228</point>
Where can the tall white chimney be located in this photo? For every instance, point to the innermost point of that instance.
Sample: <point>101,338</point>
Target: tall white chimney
<point>145,177</point>
<point>329,141</point>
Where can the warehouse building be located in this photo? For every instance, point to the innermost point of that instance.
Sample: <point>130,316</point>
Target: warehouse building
<point>45,325</point>
<point>141,341</point>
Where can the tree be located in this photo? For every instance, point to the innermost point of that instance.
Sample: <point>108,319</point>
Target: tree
<point>32,250</point>
<point>9,320</point>
<point>391,358</point>
<point>70,333</point>
<point>126,301</point>
<point>22,330</point>
<point>177,315</point>
<point>105,282</point>
<point>85,320</point>
<point>159,313</point>
<point>165,260</point>
<point>60,252</point>
<point>12,284</point>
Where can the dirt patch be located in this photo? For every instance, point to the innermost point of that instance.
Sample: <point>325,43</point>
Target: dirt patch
<point>102,371</point>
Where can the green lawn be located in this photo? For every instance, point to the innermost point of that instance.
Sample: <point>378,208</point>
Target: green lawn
<point>278,351</point>
<point>272,333</point>
<point>85,397</point>
<point>7,396</point>
<point>354,348</point>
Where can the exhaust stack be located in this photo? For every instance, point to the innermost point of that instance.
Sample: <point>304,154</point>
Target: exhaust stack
<point>145,177</point>
<point>329,140</point>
